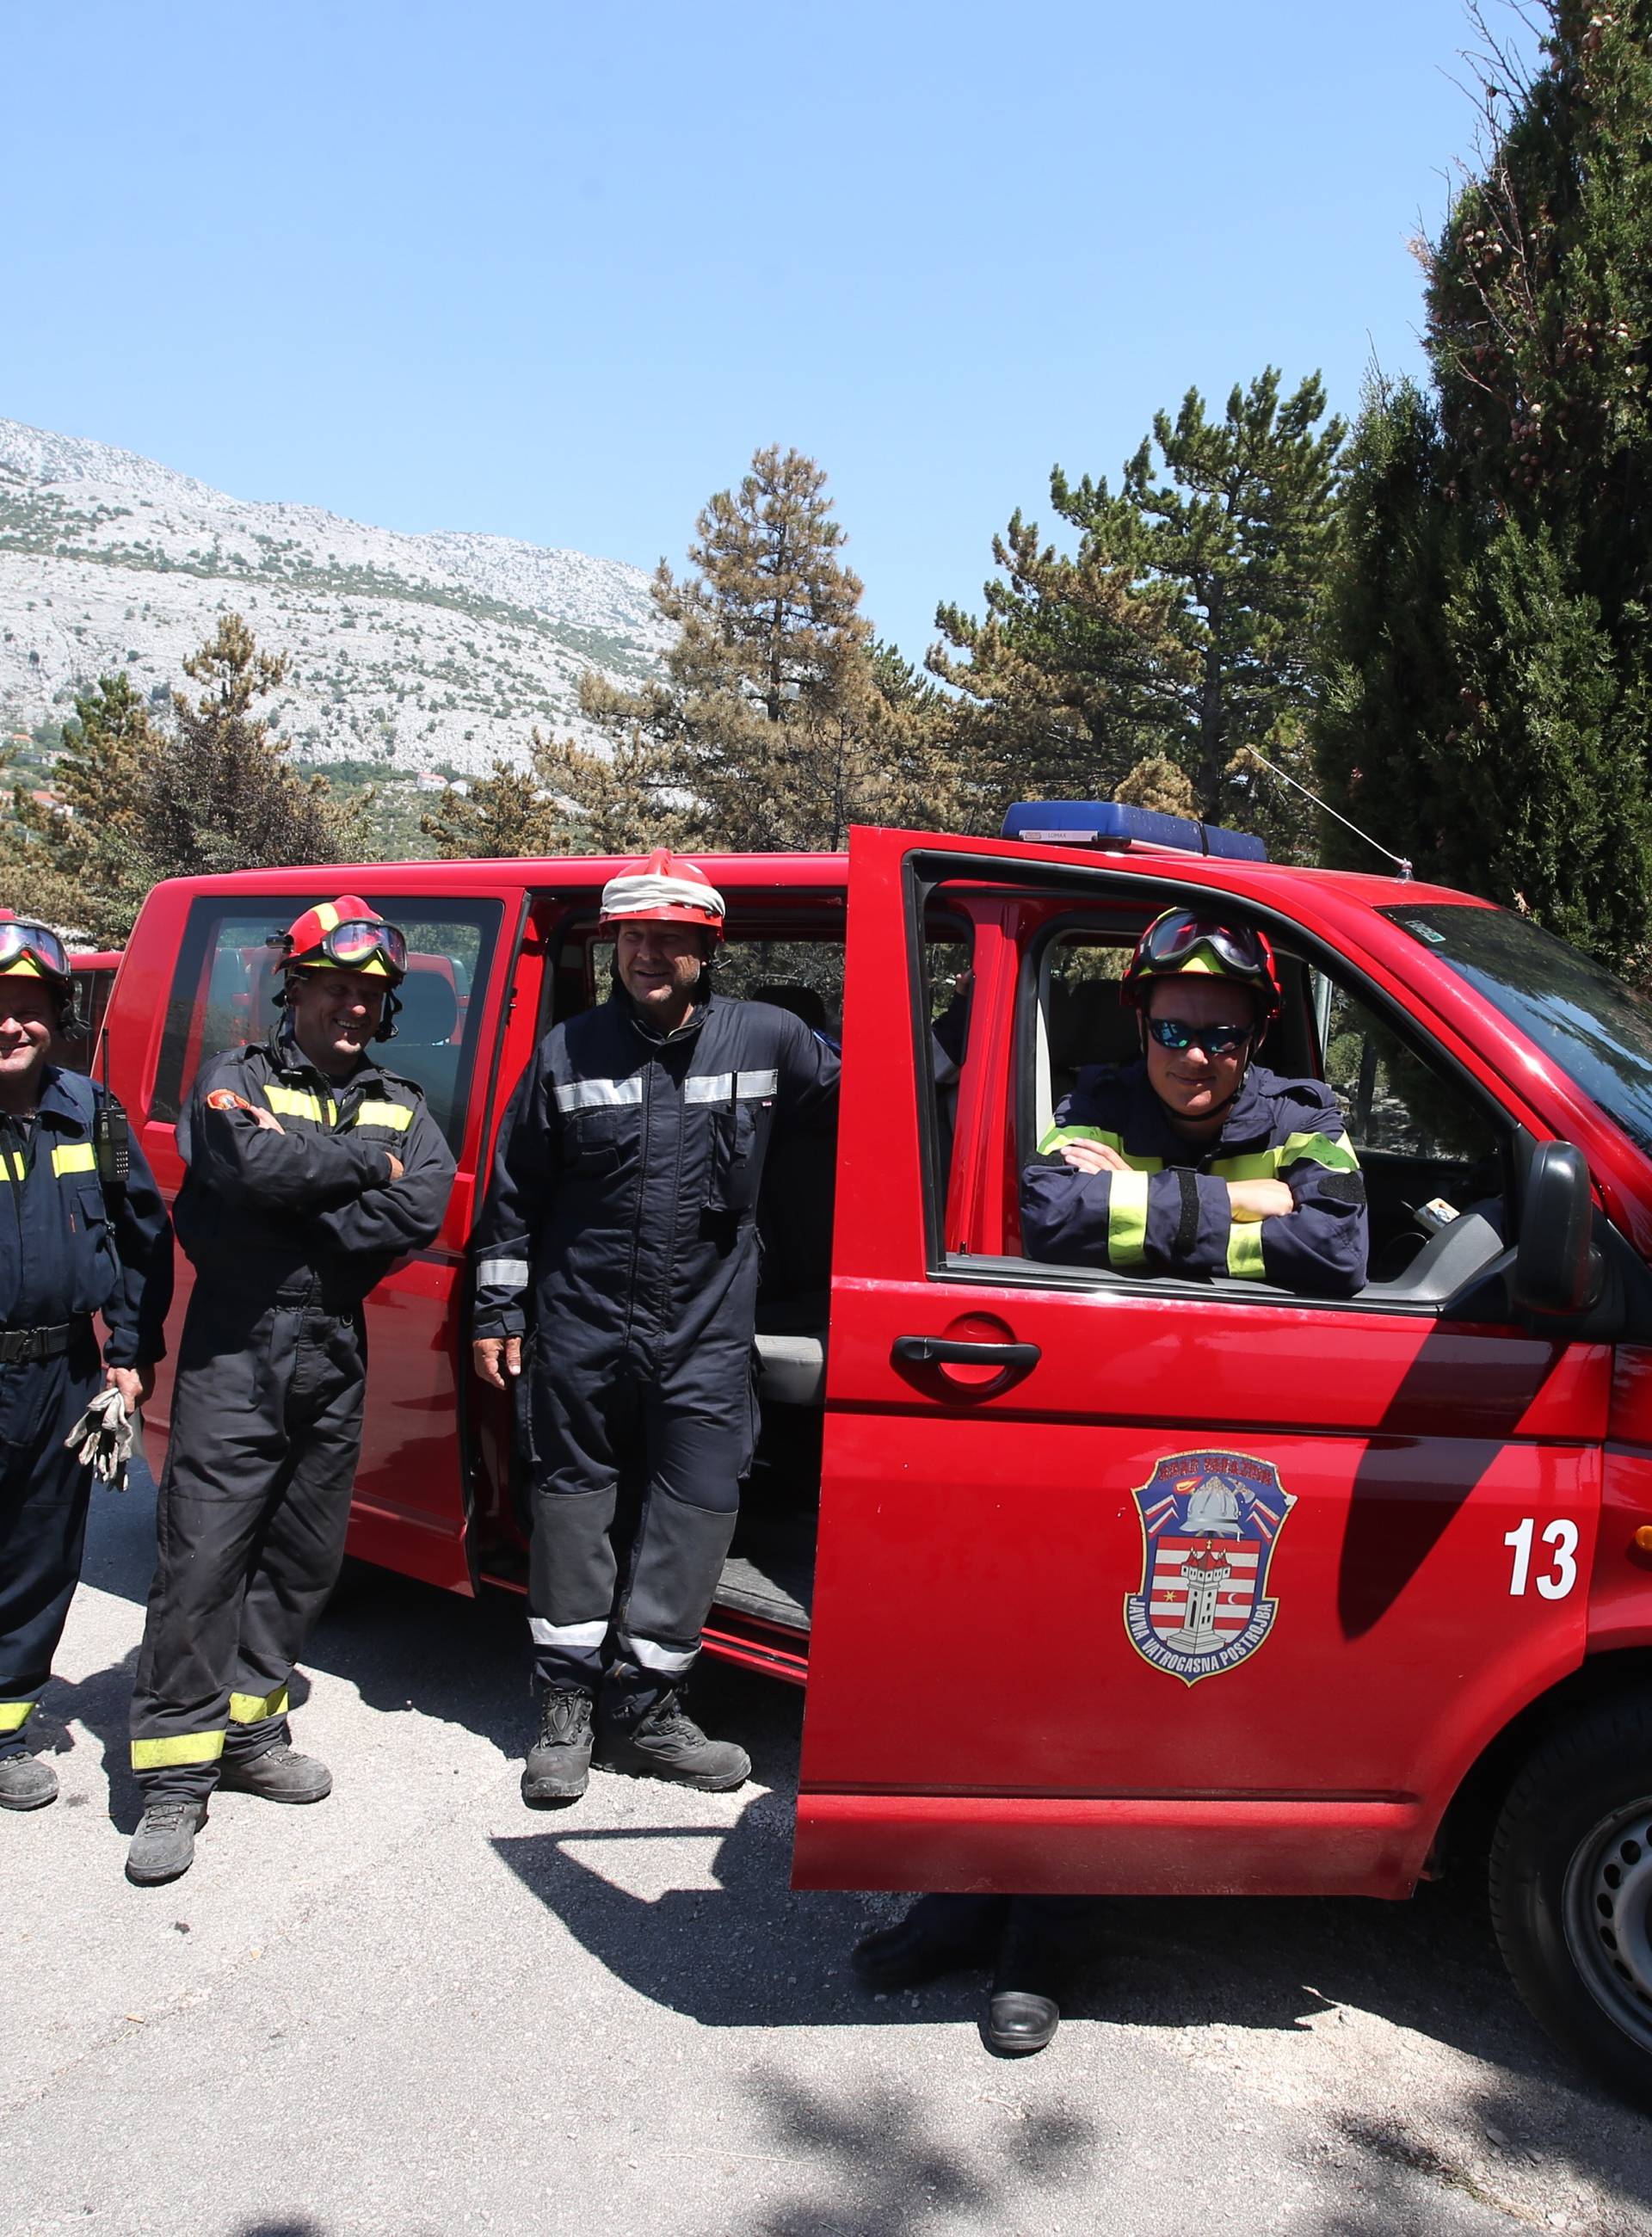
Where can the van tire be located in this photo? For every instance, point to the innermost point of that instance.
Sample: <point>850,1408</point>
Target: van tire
<point>1571,1889</point>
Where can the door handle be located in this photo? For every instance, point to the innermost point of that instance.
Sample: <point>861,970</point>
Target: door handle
<point>942,1351</point>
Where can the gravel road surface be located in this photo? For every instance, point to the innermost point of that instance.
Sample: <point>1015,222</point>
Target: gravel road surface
<point>419,2009</point>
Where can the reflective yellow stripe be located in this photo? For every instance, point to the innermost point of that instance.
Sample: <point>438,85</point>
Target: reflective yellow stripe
<point>11,1165</point>
<point>1245,1250</point>
<point>1319,1150</point>
<point>182,1747</point>
<point>299,1102</point>
<point>74,1158</point>
<point>394,1115</point>
<point>1264,1165</point>
<point>1127,1220</point>
<point>252,1708</point>
<point>1057,1135</point>
<point>326,916</point>
<point>14,1715</point>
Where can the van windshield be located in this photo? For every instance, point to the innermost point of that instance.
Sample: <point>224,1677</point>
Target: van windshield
<point>1592,1025</point>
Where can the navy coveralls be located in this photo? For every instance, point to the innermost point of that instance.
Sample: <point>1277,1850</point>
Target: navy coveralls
<point>287,1233</point>
<point>65,1254</point>
<point>1170,1213</point>
<point>622,1205</point>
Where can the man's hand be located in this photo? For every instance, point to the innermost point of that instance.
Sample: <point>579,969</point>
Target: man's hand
<point>1249,1200</point>
<point>397,1168</point>
<point>267,1120</point>
<point>491,1353</point>
<point>135,1385</point>
<point>1095,1157</point>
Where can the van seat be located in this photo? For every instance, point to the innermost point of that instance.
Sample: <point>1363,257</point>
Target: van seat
<point>791,1369</point>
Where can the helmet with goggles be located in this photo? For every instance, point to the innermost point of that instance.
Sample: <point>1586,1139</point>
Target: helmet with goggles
<point>1185,942</point>
<point>30,950</point>
<point>665,889</point>
<point>345,935</point>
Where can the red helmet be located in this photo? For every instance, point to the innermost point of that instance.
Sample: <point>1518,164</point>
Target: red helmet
<point>665,889</point>
<point>346,935</point>
<point>1188,941</point>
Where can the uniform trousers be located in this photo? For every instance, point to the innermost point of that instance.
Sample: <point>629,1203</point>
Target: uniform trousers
<point>44,1495</point>
<point>249,1528</point>
<point>684,1451</point>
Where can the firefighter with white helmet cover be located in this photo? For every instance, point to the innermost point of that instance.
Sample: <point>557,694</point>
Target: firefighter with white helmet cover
<point>82,1232</point>
<point>617,1261</point>
<point>310,1169</point>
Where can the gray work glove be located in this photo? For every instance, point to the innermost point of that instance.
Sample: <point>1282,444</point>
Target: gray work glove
<point>103,1437</point>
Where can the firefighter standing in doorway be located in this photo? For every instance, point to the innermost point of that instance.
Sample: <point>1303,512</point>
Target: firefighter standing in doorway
<point>619,1236</point>
<point>311,1169</point>
<point>78,1237</point>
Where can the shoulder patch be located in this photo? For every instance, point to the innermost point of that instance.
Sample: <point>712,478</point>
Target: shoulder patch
<point>225,1098</point>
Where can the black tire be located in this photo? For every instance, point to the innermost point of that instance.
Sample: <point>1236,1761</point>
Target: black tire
<point>1571,1889</point>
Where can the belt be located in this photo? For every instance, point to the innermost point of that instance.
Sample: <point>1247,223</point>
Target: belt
<point>19,1344</point>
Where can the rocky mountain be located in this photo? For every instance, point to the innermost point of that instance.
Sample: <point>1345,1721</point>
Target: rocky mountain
<point>411,652</point>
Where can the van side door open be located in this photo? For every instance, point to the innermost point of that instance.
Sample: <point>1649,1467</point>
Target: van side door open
<point>1142,1585</point>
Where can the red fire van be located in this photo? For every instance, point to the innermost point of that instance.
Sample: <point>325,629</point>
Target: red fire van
<point>1249,1592</point>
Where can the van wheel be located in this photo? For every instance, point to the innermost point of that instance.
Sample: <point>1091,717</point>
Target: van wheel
<point>1571,1889</point>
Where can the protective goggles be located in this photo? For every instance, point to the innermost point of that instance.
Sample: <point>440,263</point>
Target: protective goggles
<point>351,946</point>
<point>21,940</point>
<point>1215,1040</point>
<point>1173,939</point>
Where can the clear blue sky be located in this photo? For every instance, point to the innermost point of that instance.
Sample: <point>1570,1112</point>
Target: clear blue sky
<point>554,273</point>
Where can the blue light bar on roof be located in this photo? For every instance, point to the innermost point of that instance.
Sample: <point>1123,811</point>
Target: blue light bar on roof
<point>1108,823</point>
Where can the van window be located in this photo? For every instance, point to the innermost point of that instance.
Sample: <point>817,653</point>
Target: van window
<point>227,975</point>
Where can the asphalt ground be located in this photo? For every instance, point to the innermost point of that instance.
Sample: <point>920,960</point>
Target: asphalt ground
<point>419,2009</point>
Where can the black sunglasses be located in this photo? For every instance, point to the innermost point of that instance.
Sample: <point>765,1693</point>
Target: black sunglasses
<point>1215,1040</point>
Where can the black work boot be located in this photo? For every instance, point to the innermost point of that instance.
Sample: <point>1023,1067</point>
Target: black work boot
<point>26,1783</point>
<point>279,1773</point>
<point>163,1847</point>
<point>941,1934</point>
<point>1046,1938</point>
<point>646,1731</point>
<point>558,1764</point>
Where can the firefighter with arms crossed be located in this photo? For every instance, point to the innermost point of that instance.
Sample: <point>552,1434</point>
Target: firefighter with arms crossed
<point>75,1240</point>
<point>1194,1160</point>
<point>310,1171</point>
<point>620,1234</point>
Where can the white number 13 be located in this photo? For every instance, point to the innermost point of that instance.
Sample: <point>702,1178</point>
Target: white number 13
<point>1558,1579</point>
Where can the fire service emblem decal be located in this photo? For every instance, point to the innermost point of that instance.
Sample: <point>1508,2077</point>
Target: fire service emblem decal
<point>1209,1524</point>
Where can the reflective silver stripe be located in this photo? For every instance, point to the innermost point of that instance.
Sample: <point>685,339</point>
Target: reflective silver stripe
<point>502,1274</point>
<point>567,1634</point>
<point>668,1660</point>
<point>709,1087</point>
<point>599,1094</point>
<point>757,1083</point>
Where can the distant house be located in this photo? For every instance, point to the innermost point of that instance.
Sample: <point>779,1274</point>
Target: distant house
<point>430,780</point>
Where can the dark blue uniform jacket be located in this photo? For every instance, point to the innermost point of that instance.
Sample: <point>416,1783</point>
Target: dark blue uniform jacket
<point>64,1252</point>
<point>1170,1214</point>
<point>624,1185</point>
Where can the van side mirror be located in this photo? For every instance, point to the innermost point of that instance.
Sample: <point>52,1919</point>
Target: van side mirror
<point>1558,1269</point>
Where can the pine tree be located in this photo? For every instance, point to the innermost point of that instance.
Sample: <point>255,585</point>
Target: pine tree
<point>82,864</point>
<point>1488,666</point>
<point>568,801</point>
<point>771,730</point>
<point>1182,627</point>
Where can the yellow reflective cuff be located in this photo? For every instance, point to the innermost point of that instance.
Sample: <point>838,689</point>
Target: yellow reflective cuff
<point>252,1708</point>
<point>1127,1220</point>
<point>11,1165</point>
<point>395,1115</point>
<point>1056,1135</point>
<point>14,1715</point>
<point>1263,1166</point>
<point>298,1103</point>
<point>1245,1250</point>
<point>74,1158</point>
<point>1319,1150</point>
<point>180,1747</point>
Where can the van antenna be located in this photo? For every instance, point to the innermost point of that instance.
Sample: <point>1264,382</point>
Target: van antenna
<point>1404,867</point>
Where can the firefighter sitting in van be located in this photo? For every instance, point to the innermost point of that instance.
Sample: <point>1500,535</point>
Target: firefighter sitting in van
<point>1192,1161</point>
<point>1196,1160</point>
<point>310,1171</point>
<point>622,1212</point>
<point>76,1240</point>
